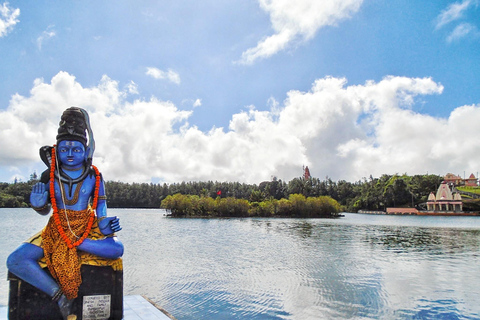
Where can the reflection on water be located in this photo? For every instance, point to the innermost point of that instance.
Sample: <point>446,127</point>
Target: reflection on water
<point>357,267</point>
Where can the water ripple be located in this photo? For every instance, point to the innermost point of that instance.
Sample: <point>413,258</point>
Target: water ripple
<point>358,267</point>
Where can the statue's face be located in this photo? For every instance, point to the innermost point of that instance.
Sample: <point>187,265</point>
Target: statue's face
<point>71,153</point>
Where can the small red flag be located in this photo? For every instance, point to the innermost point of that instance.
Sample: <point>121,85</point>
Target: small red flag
<point>219,192</point>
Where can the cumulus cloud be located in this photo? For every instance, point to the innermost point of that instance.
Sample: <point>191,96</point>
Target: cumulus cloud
<point>131,88</point>
<point>8,18</point>
<point>297,20</point>
<point>169,75</point>
<point>340,130</point>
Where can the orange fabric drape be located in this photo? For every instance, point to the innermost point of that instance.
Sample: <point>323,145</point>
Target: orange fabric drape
<point>63,262</point>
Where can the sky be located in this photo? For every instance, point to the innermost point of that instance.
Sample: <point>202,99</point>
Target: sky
<point>245,90</point>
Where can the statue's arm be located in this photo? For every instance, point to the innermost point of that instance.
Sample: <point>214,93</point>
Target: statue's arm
<point>107,225</point>
<point>39,198</point>
<point>109,247</point>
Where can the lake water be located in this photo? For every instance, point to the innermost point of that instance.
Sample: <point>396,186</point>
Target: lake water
<point>356,267</point>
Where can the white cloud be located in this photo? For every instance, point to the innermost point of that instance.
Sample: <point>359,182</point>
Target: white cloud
<point>47,34</point>
<point>461,31</point>
<point>345,132</point>
<point>297,20</point>
<point>169,75</point>
<point>197,103</point>
<point>452,12</point>
<point>131,88</point>
<point>8,18</point>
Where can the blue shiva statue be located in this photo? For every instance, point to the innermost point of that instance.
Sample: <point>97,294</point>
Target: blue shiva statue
<point>78,230</point>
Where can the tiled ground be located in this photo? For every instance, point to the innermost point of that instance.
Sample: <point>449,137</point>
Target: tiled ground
<point>3,313</point>
<point>134,308</point>
<point>137,308</point>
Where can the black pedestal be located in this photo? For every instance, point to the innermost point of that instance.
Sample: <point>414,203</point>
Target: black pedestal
<point>101,287</point>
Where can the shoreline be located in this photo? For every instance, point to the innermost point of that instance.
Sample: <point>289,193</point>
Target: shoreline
<point>416,212</point>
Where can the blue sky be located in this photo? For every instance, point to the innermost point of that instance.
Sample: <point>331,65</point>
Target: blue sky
<point>245,90</point>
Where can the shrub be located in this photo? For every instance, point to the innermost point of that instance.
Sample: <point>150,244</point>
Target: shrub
<point>297,205</point>
<point>231,207</point>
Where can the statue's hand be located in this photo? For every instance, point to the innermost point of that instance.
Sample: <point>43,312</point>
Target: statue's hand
<point>39,195</point>
<point>109,225</point>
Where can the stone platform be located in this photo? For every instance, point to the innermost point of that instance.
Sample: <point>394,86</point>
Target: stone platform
<point>100,296</point>
<point>134,308</point>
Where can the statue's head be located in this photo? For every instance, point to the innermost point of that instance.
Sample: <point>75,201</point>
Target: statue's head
<point>73,126</point>
<point>72,137</point>
<point>71,153</point>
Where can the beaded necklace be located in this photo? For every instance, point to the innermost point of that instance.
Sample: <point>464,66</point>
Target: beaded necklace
<point>56,217</point>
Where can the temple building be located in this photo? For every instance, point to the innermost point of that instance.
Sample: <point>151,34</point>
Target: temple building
<point>455,180</point>
<point>444,200</point>
<point>471,181</point>
<point>451,178</point>
<point>306,173</point>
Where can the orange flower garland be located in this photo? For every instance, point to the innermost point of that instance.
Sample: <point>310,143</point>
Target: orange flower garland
<point>60,229</point>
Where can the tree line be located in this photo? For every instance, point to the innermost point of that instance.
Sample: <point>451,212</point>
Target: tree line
<point>366,194</point>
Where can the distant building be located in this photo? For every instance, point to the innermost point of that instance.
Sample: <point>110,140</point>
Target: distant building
<point>455,180</point>
<point>471,181</point>
<point>444,200</point>
<point>306,173</point>
<point>443,203</point>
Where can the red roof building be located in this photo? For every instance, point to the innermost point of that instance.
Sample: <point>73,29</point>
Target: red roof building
<point>471,181</point>
<point>455,180</point>
<point>450,178</point>
<point>306,173</point>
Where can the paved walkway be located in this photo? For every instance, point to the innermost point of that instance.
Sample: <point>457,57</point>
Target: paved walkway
<point>3,313</point>
<point>134,308</point>
<point>138,308</point>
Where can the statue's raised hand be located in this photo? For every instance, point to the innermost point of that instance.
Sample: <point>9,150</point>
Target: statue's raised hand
<point>39,195</point>
<point>109,225</point>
